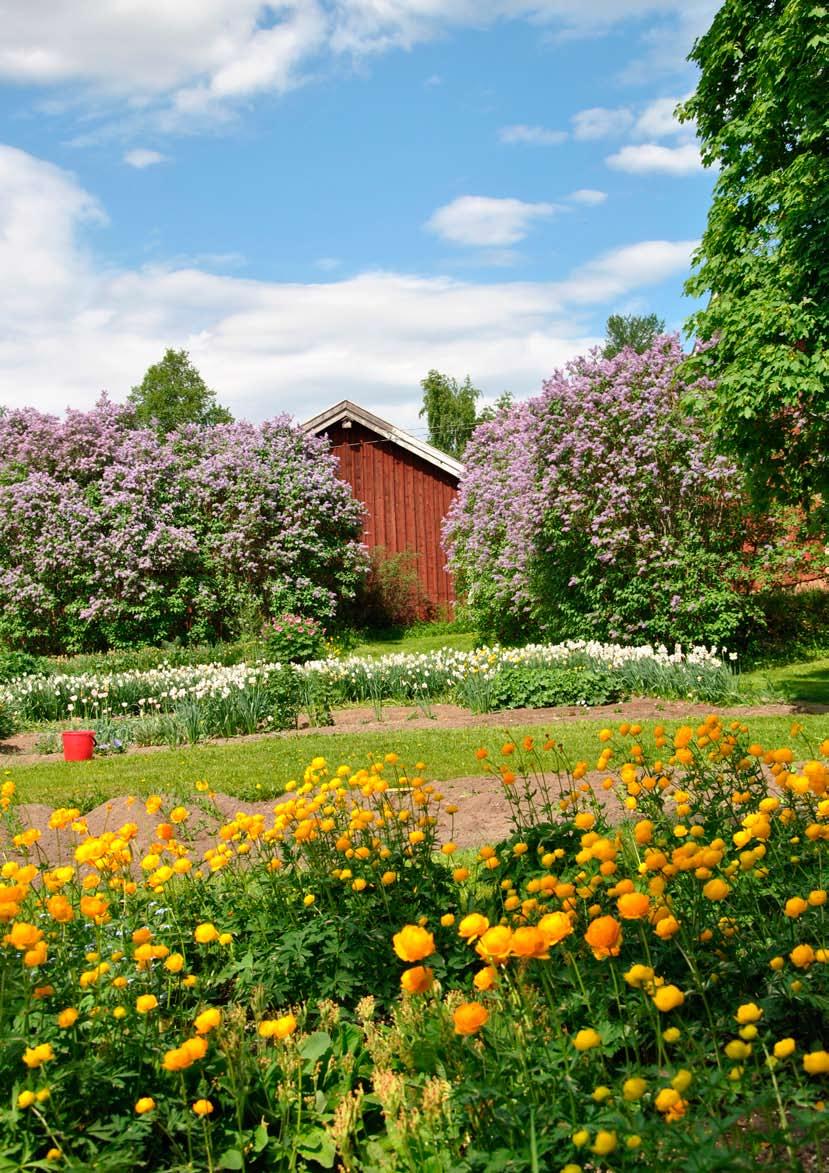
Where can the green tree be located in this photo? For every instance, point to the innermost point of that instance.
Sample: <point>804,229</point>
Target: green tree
<point>761,112</point>
<point>173,393</point>
<point>450,412</point>
<point>633,330</point>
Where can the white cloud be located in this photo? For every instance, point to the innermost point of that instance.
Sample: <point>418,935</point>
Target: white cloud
<point>72,327</point>
<point>657,120</point>
<point>617,272</point>
<point>482,220</point>
<point>179,64</point>
<point>587,195</point>
<point>142,157</point>
<point>601,122</point>
<point>651,158</point>
<point>535,136</point>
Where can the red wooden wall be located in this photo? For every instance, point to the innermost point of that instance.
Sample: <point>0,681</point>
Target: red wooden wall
<point>407,499</point>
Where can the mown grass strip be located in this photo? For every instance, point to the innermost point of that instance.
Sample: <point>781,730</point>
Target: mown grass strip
<point>260,769</point>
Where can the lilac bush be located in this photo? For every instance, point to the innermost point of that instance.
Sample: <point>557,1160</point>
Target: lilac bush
<point>111,536</point>
<point>600,509</point>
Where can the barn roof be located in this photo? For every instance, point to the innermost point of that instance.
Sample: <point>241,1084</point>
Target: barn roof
<point>346,410</point>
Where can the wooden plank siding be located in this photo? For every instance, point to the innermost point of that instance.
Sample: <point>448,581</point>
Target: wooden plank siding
<point>406,498</point>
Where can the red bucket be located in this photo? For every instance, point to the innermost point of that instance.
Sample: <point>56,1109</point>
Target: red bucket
<point>78,745</point>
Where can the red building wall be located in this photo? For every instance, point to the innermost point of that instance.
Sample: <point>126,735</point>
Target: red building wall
<point>407,499</point>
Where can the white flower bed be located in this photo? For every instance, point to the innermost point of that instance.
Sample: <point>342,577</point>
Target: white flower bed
<point>401,676</point>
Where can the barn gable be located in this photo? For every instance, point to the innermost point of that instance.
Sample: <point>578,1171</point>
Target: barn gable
<point>406,485</point>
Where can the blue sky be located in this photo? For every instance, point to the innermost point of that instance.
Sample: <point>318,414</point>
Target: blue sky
<point>323,199</point>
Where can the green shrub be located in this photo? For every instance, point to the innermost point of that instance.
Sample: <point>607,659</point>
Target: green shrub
<point>523,687</point>
<point>8,721</point>
<point>293,639</point>
<point>393,595</point>
<point>791,622</point>
<point>14,664</point>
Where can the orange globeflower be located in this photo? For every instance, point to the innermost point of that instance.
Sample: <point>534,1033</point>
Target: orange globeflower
<point>529,942</point>
<point>469,1018</point>
<point>633,905</point>
<point>208,1020</point>
<point>604,936</point>
<point>472,926</point>
<point>417,980</point>
<point>716,889</point>
<point>555,926</point>
<point>413,943</point>
<point>495,945</point>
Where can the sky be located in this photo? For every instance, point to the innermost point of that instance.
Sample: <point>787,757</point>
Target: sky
<point>325,199</point>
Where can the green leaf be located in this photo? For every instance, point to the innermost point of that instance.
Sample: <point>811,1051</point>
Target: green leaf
<point>231,1159</point>
<point>317,1145</point>
<point>315,1045</point>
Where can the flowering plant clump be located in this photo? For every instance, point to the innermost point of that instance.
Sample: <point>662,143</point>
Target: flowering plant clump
<point>293,639</point>
<point>601,509</point>
<point>600,990</point>
<point>111,535</point>
<point>218,700</point>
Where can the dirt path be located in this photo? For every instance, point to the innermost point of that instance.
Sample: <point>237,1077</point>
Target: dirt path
<point>20,750</point>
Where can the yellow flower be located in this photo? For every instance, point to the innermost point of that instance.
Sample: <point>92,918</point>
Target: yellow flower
<point>37,1055</point>
<point>208,1020</point>
<point>469,1018</point>
<point>53,1154</point>
<point>748,1012</point>
<point>816,1063</point>
<point>737,1049</point>
<point>202,1107</point>
<point>784,1047</point>
<point>580,1138</point>
<point>174,963</point>
<point>144,1104</point>
<point>585,1039</point>
<point>668,998</point>
<point>554,927</point>
<point>413,943</point>
<point>473,926</point>
<point>634,1088</point>
<point>460,875</point>
<point>495,945</point>
<point>485,979</point>
<point>205,933</point>
<point>144,1003</point>
<point>417,980</point>
<point>67,1018</point>
<point>604,1143</point>
<point>277,1028</point>
<point>671,1034</point>
<point>26,1099</point>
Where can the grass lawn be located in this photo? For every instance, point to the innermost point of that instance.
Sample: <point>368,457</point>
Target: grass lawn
<point>385,645</point>
<point>260,769</point>
<point>805,680</point>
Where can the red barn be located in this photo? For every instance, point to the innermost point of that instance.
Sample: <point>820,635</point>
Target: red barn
<point>406,485</point>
